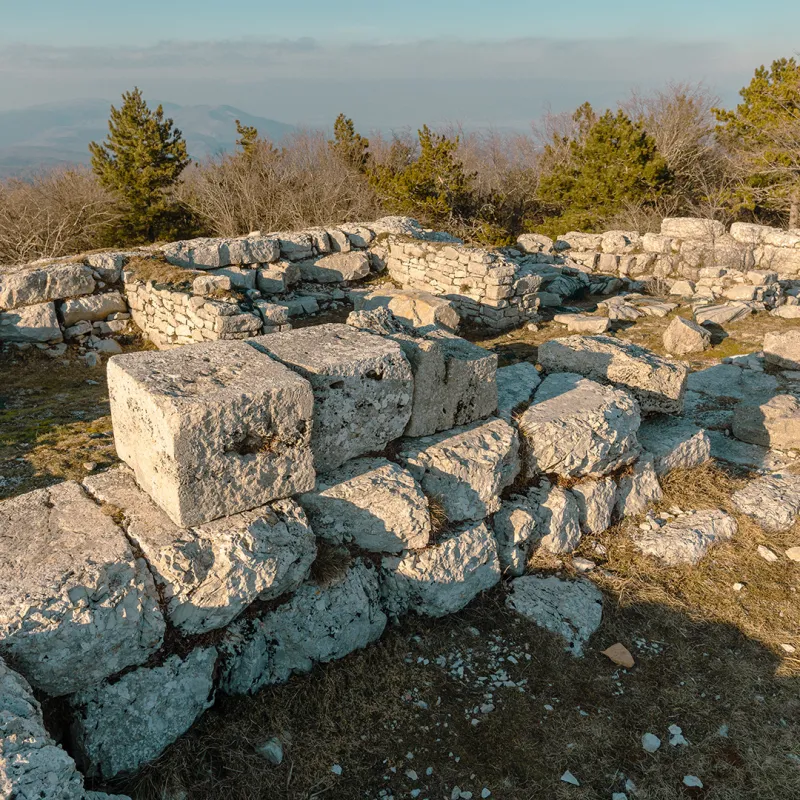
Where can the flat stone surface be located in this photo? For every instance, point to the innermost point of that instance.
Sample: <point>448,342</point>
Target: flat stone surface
<point>596,500</point>
<point>212,429</point>
<point>29,285</point>
<point>37,323</point>
<point>209,574</point>
<point>75,604</point>
<point>371,502</point>
<point>731,450</point>
<point>92,307</point>
<point>687,539</point>
<point>638,489</point>
<point>318,624</point>
<point>557,514</point>
<point>207,253</point>
<point>675,443</point>
<point>571,609</point>
<point>516,386</point>
<point>414,308</point>
<point>32,765</point>
<point>583,323</point>
<point>577,427</point>
<point>732,382</point>
<point>516,530</point>
<point>443,578</point>
<point>119,727</point>
<point>773,501</point>
<point>722,314</point>
<point>775,423</point>
<point>683,336</point>
<point>363,388</point>
<point>783,349</point>
<point>466,468</point>
<point>691,228</point>
<point>336,268</point>
<point>657,383</point>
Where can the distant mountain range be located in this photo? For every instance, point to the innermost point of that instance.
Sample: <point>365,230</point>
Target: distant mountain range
<point>59,133</point>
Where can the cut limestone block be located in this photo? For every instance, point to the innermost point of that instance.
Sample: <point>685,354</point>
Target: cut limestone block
<point>731,450</point>
<point>775,423</point>
<point>516,386</point>
<point>213,253</point>
<point>571,609</point>
<point>691,228</point>
<point>657,383</point>
<point>454,381</point>
<point>362,384</point>
<point>336,268</point>
<point>557,515</point>
<point>444,578</point>
<point>212,429</point>
<point>25,286</point>
<point>576,427</point>
<point>92,307</point>
<point>596,502</point>
<point>687,539</point>
<point>722,314</point>
<point>783,349</point>
<point>277,278</point>
<point>37,323</point>
<point>638,488</point>
<point>583,323</point>
<point>32,765</point>
<point>515,530</point>
<point>118,727</point>
<point>683,336</point>
<point>414,308</point>
<point>773,501</point>
<point>209,574</point>
<point>675,442</point>
<point>75,604</point>
<point>318,624</point>
<point>371,502</point>
<point>465,469</point>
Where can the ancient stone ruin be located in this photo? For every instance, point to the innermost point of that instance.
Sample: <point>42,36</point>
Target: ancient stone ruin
<point>286,494</point>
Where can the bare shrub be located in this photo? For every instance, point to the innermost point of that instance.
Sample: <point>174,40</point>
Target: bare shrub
<point>53,214</point>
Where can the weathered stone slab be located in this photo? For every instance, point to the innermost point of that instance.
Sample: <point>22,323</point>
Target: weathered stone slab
<point>25,286</point>
<point>76,605</point>
<point>444,578</point>
<point>32,765</point>
<point>557,518</point>
<point>722,314</point>
<point>534,243</point>
<point>773,501</point>
<point>731,450</point>
<point>775,423</point>
<point>465,469</point>
<point>783,349</point>
<point>211,429</point>
<point>516,386</point>
<point>371,502</point>
<point>36,323</point>
<point>576,427</point>
<point>571,609</point>
<point>239,277</point>
<point>683,337</point>
<point>118,727</point>
<point>691,228</point>
<point>414,308</point>
<point>515,530</point>
<point>277,278</point>
<point>657,383</point>
<point>596,500</point>
<point>583,323</point>
<point>209,574</point>
<point>336,268</point>
<point>215,253</point>
<point>363,388</point>
<point>318,624</point>
<point>92,307</point>
<point>675,443</point>
<point>687,539</point>
<point>727,382</point>
<point>638,489</point>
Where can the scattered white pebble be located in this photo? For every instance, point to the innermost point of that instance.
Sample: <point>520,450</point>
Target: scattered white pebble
<point>619,796</point>
<point>676,737</point>
<point>651,742</point>
<point>411,775</point>
<point>767,554</point>
<point>737,587</point>
<point>723,731</point>
<point>336,769</point>
<point>568,777</point>
<point>485,793</point>
<point>788,648</point>
<point>692,781</point>
<point>548,707</point>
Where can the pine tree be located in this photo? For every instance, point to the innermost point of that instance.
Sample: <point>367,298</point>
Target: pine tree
<point>610,161</point>
<point>248,138</point>
<point>140,161</point>
<point>350,146</point>
<point>763,134</point>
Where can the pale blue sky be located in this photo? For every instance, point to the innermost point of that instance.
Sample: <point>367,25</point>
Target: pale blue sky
<point>389,64</point>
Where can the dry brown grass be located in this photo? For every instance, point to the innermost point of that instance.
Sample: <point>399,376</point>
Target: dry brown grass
<point>440,523</point>
<point>157,269</point>
<point>331,563</point>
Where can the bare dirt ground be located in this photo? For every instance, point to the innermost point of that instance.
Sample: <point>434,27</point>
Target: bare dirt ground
<point>483,700</point>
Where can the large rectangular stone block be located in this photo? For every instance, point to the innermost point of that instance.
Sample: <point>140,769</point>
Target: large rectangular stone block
<point>76,605</point>
<point>212,429</point>
<point>362,385</point>
<point>24,286</point>
<point>37,323</point>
